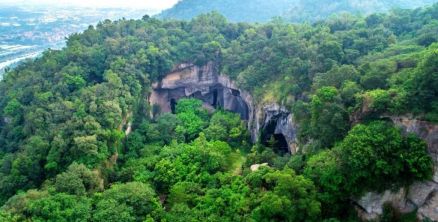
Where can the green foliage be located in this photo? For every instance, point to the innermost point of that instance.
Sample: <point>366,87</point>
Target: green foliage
<point>228,127</point>
<point>5,216</point>
<point>377,157</point>
<point>337,76</point>
<point>373,157</point>
<point>422,89</point>
<point>286,190</point>
<point>134,201</point>
<point>12,108</point>
<point>376,74</point>
<point>349,92</point>
<point>113,211</point>
<point>325,171</point>
<point>293,10</point>
<point>329,119</point>
<point>76,125</point>
<point>192,118</point>
<point>194,162</point>
<point>77,180</point>
<point>60,207</point>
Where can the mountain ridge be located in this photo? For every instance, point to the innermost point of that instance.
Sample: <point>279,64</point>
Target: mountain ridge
<point>291,10</point>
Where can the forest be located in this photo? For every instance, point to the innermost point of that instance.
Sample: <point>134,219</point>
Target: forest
<point>290,10</point>
<point>66,153</point>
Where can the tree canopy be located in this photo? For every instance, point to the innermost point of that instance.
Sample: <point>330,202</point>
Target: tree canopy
<point>79,140</point>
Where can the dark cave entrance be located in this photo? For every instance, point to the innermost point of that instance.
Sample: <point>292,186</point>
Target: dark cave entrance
<point>215,94</point>
<point>279,144</point>
<point>276,141</point>
<point>173,105</point>
<point>235,92</point>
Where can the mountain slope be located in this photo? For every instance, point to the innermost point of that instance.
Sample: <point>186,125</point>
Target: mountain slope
<point>244,10</point>
<point>293,10</point>
<point>78,141</point>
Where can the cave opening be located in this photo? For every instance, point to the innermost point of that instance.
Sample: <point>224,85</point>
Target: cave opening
<point>235,92</point>
<point>276,141</point>
<point>280,144</point>
<point>173,105</point>
<point>215,94</point>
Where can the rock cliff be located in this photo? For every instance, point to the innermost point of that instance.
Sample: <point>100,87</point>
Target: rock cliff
<point>422,196</point>
<point>219,91</point>
<point>275,120</point>
<point>203,83</point>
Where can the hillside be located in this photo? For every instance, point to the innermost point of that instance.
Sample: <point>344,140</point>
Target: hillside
<point>291,10</point>
<point>210,120</point>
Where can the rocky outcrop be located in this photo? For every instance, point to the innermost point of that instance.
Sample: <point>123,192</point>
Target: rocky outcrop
<point>275,120</point>
<point>219,91</point>
<point>422,196</point>
<point>256,167</point>
<point>430,209</point>
<point>204,83</point>
<point>370,206</point>
<point>425,130</point>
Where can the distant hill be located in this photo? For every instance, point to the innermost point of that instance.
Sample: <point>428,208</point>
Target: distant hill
<point>292,10</point>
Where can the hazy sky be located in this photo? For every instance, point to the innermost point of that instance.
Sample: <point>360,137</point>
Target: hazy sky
<point>149,4</point>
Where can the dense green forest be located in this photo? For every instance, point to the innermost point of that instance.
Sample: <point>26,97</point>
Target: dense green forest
<point>291,10</point>
<point>65,153</point>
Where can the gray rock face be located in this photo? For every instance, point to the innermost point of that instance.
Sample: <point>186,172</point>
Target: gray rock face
<point>430,209</point>
<point>219,91</point>
<point>370,206</point>
<point>425,130</point>
<point>277,121</point>
<point>203,83</point>
<point>421,195</point>
<point>420,192</point>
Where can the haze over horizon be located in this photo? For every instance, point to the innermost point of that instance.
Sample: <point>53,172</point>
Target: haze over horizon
<point>145,4</point>
<point>28,27</point>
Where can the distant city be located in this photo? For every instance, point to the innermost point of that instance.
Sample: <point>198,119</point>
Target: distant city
<point>25,32</point>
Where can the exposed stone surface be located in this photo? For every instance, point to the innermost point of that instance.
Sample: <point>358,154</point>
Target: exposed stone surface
<point>421,195</point>
<point>370,206</point>
<point>256,167</point>
<point>277,120</point>
<point>420,192</point>
<point>219,91</point>
<point>265,120</point>
<point>430,209</point>
<point>203,83</point>
<point>425,130</point>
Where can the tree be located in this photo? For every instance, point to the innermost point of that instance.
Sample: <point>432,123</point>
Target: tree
<point>325,170</point>
<point>166,125</point>
<point>337,76</point>
<point>376,74</point>
<point>421,87</point>
<point>136,201</point>
<point>377,157</point>
<point>286,190</point>
<point>227,127</point>
<point>349,91</point>
<point>78,180</point>
<point>191,116</point>
<point>112,211</point>
<point>5,216</point>
<point>60,207</point>
<point>329,121</point>
<point>185,193</point>
<point>13,108</point>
